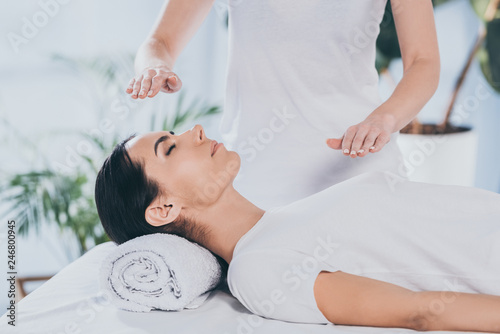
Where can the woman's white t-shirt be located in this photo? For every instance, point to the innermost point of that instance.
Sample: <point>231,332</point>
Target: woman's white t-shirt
<point>299,72</point>
<point>416,235</point>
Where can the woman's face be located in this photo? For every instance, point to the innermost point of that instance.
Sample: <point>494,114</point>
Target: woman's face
<point>189,167</point>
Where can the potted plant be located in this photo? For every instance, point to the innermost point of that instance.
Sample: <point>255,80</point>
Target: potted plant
<point>445,153</point>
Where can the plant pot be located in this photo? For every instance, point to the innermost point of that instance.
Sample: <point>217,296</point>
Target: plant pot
<point>448,158</point>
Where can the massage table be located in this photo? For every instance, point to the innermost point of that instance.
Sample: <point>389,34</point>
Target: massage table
<point>71,302</point>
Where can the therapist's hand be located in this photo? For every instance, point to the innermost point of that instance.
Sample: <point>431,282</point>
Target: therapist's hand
<point>371,135</point>
<point>153,80</point>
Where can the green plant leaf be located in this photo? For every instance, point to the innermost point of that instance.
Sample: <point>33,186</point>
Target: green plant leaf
<point>490,64</point>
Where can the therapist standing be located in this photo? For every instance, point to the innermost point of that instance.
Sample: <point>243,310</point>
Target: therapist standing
<point>302,107</point>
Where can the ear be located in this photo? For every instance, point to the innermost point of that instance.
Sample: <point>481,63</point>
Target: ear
<point>160,212</point>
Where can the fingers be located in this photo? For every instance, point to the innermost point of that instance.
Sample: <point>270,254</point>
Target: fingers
<point>130,86</point>
<point>374,142</point>
<point>382,139</point>
<point>136,87</point>
<point>368,143</point>
<point>152,81</point>
<point>146,83</point>
<point>159,81</point>
<point>172,84</point>
<point>362,139</point>
<point>335,143</point>
<point>358,140</point>
<point>156,84</point>
<point>347,142</point>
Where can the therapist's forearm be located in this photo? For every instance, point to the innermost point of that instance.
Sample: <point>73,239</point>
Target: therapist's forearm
<point>153,53</point>
<point>414,90</point>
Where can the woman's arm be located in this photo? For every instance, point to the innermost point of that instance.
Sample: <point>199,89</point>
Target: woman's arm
<point>174,28</point>
<point>346,299</point>
<point>417,38</point>
<point>416,30</point>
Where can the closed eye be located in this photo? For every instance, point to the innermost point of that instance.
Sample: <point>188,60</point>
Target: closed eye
<point>170,149</point>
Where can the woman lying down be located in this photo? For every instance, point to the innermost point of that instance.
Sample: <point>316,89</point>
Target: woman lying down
<point>373,250</point>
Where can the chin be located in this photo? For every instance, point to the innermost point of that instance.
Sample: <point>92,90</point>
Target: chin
<point>233,163</point>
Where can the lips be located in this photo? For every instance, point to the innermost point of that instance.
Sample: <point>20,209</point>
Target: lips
<point>214,143</point>
<point>215,146</point>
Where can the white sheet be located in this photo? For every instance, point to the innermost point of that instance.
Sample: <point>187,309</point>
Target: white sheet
<point>71,302</point>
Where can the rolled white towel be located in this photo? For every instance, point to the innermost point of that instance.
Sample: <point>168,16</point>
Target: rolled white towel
<point>159,271</point>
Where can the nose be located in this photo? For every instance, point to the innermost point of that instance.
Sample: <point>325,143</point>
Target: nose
<point>199,134</point>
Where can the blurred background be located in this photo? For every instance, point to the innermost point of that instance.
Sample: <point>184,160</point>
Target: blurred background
<point>64,67</point>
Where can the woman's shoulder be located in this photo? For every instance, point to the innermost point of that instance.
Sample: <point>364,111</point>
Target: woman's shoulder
<point>266,283</point>
<point>262,264</point>
<point>253,275</point>
<point>244,264</point>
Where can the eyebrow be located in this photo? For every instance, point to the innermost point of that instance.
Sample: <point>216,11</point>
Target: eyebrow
<point>160,140</point>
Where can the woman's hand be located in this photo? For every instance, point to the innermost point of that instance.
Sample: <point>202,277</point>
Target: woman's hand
<point>368,136</point>
<point>152,80</point>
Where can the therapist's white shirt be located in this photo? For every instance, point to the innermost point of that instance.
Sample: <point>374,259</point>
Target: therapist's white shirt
<point>299,72</point>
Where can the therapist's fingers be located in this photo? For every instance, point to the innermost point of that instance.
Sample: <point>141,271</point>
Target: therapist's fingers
<point>163,82</point>
<point>153,80</point>
<point>172,84</point>
<point>382,139</point>
<point>130,87</point>
<point>369,142</point>
<point>358,140</point>
<point>335,143</point>
<point>137,86</point>
<point>348,137</point>
<point>146,82</point>
<point>156,83</point>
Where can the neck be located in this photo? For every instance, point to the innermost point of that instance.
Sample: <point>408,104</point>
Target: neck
<point>227,220</point>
